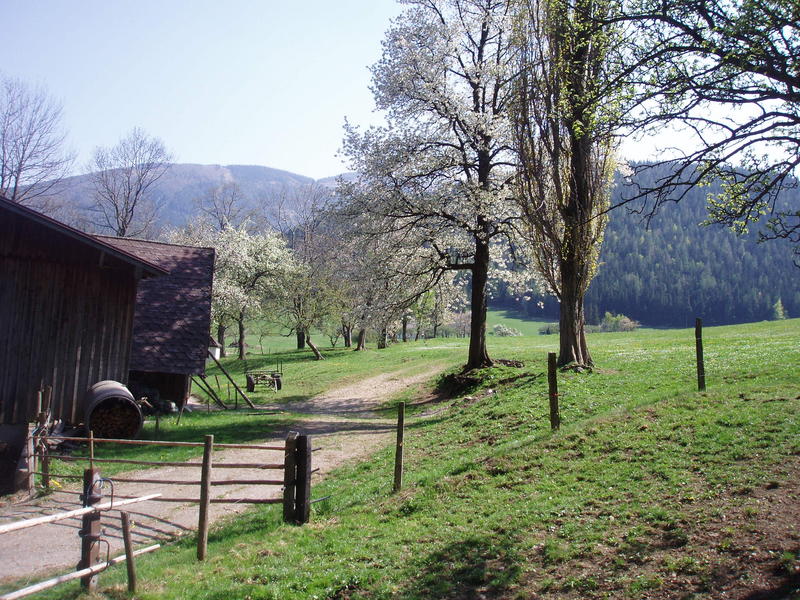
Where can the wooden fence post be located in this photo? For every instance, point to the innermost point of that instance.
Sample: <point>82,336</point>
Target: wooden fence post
<point>205,498</point>
<point>398,453</point>
<point>41,450</point>
<point>91,449</point>
<point>90,530</point>
<point>552,381</point>
<point>126,538</point>
<point>698,342</point>
<point>302,505</point>
<point>289,476</point>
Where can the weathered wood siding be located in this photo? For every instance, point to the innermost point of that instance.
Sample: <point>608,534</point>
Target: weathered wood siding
<point>66,313</point>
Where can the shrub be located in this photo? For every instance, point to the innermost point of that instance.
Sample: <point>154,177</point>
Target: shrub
<point>503,331</point>
<point>549,329</point>
<point>616,323</point>
<point>778,312</point>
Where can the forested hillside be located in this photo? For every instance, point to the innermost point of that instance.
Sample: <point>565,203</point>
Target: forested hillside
<point>676,269</point>
<point>663,274</point>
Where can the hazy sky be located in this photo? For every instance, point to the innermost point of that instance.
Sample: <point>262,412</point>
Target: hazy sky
<point>220,81</point>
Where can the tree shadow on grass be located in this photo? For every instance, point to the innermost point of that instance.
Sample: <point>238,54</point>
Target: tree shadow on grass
<point>472,568</point>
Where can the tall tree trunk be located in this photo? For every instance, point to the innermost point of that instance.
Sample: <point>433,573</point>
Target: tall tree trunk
<point>221,329</point>
<point>571,322</point>
<point>362,339</point>
<point>575,260</point>
<point>382,339</point>
<point>314,349</point>
<point>347,333</point>
<point>405,329</point>
<point>478,356</point>
<point>301,338</point>
<point>435,329</point>
<point>240,322</point>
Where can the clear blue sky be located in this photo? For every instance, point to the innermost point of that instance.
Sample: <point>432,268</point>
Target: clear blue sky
<point>260,82</point>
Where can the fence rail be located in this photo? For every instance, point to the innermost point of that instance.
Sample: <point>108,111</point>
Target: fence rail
<point>296,480</point>
<point>78,512</point>
<point>89,536</point>
<point>159,443</point>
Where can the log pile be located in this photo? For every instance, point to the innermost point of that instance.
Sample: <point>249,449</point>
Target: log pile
<point>115,418</point>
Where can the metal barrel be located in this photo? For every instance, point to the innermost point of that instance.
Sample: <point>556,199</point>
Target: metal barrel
<point>112,412</point>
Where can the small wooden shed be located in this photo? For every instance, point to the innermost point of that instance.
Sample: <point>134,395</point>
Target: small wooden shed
<point>66,312</point>
<point>172,320</point>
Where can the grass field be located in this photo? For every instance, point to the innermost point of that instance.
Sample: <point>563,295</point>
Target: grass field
<point>649,490</point>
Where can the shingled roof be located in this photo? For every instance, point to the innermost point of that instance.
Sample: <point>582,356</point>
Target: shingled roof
<point>172,319</point>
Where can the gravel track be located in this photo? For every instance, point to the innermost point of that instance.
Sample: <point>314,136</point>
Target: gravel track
<point>343,423</point>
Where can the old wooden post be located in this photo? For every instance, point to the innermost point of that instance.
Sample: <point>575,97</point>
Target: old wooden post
<point>303,483</point>
<point>552,381</point>
<point>90,530</point>
<point>398,453</point>
<point>126,538</point>
<point>205,498</point>
<point>289,476</point>
<point>91,449</point>
<point>41,450</point>
<point>698,342</point>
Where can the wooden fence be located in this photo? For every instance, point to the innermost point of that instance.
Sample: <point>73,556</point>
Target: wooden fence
<point>90,536</point>
<point>294,467</point>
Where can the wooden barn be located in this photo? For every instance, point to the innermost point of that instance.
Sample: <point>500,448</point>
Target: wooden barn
<point>172,319</point>
<point>66,312</point>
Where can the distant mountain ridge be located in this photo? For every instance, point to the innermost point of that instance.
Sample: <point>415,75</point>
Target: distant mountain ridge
<point>184,183</point>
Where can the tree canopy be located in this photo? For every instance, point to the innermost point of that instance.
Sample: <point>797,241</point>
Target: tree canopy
<point>728,72</point>
<point>438,176</point>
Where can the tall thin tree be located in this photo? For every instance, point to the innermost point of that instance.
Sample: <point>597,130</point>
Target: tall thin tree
<point>566,113</point>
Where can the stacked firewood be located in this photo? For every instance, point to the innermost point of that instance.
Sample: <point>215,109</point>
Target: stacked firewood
<point>115,418</point>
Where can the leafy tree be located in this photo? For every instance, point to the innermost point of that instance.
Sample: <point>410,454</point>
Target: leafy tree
<point>438,177</point>
<point>778,312</point>
<point>617,323</point>
<point>250,270</point>
<point>728,72</point>
<point>122,178</point>
<point>565,122</point>
<point>315,293</point>
<point>33,160</point>
<point>501,330</point>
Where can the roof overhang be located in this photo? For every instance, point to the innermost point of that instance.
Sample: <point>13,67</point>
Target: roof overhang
<point>143,267</point>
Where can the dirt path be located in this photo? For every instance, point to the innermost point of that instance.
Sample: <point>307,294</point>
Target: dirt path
<point>342,422</point>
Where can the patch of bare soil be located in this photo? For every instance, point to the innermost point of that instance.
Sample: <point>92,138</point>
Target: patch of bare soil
<point>342,422</point>
<point>750,552</point>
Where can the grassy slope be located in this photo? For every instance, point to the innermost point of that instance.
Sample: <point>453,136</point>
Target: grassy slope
<point>619,503</point>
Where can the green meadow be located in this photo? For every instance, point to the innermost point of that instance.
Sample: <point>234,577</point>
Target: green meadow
<point>650,489</point>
